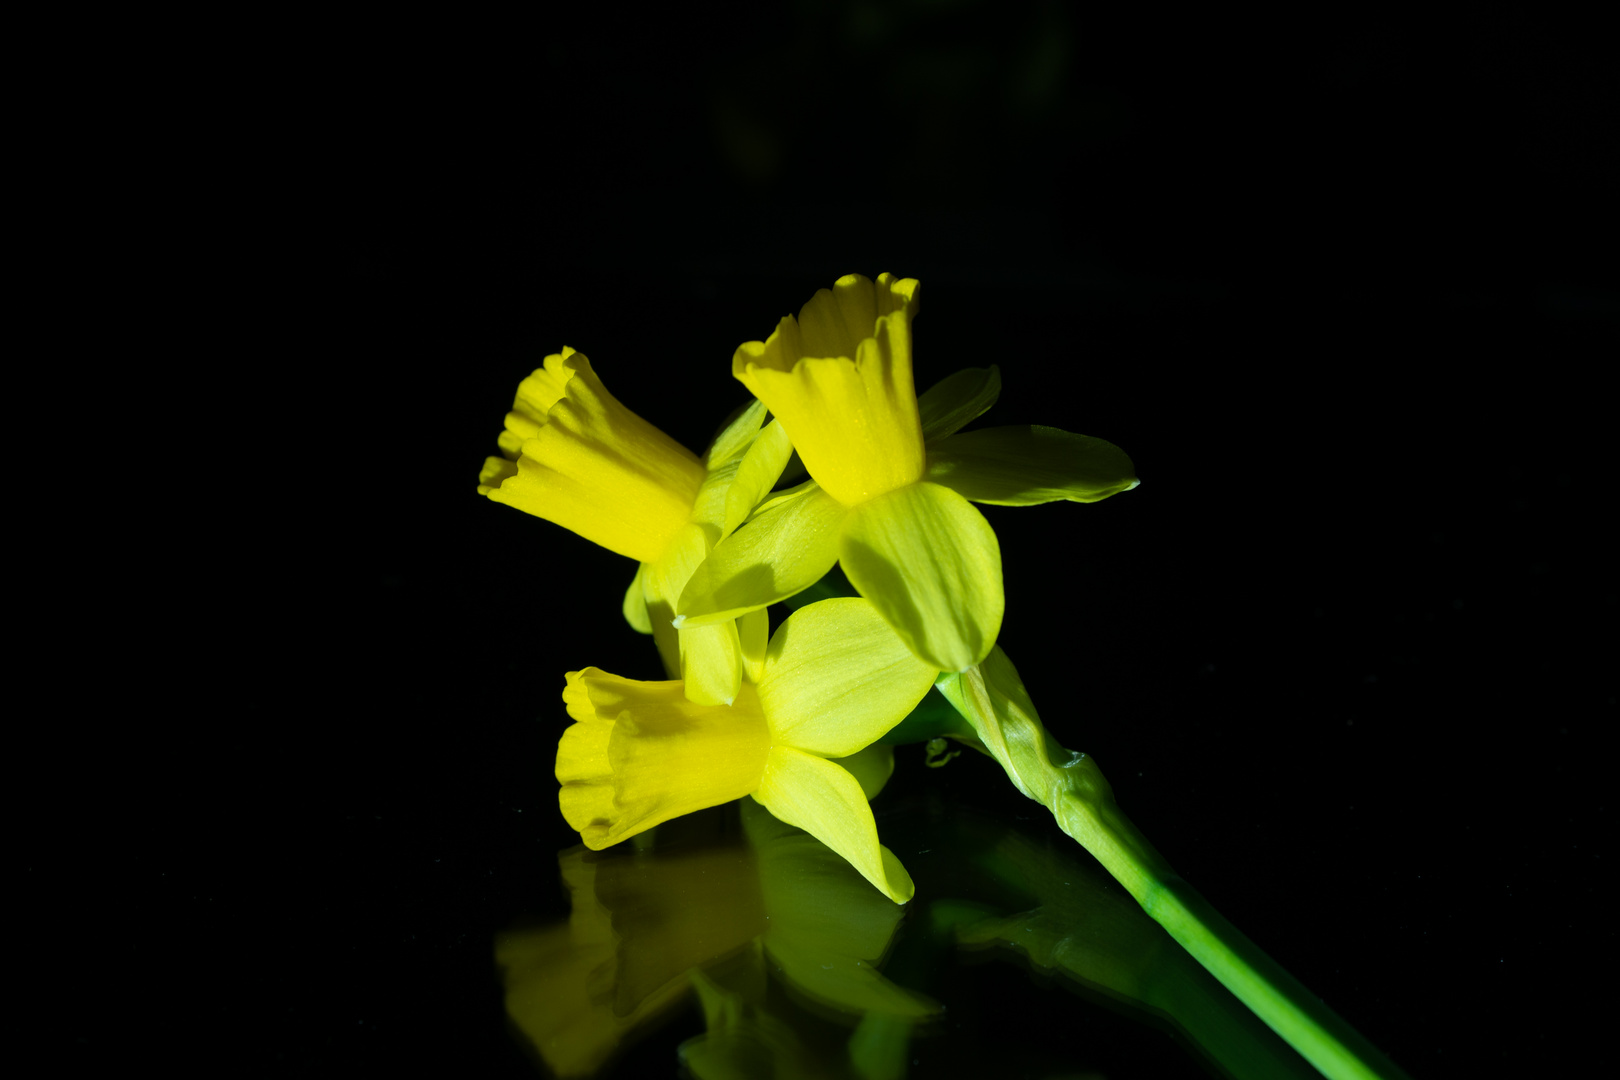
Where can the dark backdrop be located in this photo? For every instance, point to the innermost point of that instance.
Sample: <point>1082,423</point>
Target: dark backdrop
<point>1338,281</point>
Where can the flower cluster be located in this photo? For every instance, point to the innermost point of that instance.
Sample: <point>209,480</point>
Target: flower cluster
<point>787,717</point>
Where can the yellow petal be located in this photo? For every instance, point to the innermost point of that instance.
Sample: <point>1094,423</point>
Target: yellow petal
<point>930,564</point>
<point>758,472</point>
<point>635,603</point>
<point>839,381</point>
<point>827,802</point>
<point>957,400</point>
<point>708,658</point>
<point>711,663</point>
<point>785,549</point>
<point>1022,466</point>
<point>593,466</point>
<point>640,753</point>
<point>753,635</point>
<point>735,436</point>
<point>837,678</point>
<point>871,767</point>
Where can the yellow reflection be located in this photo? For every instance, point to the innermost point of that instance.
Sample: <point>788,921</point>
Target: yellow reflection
<point>729,915</point>
<point>768,934</point>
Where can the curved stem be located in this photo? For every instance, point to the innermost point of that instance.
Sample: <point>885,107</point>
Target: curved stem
<point>992,699</point>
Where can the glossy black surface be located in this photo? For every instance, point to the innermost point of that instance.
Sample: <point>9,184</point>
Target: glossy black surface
<point>1341,287</point>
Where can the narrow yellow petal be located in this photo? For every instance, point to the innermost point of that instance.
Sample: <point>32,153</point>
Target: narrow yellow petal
<point>640,753</point>
<point>635,603</point>
<point>735,436</point>
<point>839,381</point>
<point>871,767</point>
<point>761,467</point>
<point>784,550</point>
<point>930,564</point>
<point>1025,465</point>
<point>709,660</point>
<point>827,802</point>
<point>837,678</point>
<point>593,466</point>
<point>957,400</point>
<point>711,663</point>
<point>753,635</point>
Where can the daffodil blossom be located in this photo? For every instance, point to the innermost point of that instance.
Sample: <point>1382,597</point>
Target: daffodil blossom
<point>575,456</point>
<point>891,479</point>
<point>834,679</point>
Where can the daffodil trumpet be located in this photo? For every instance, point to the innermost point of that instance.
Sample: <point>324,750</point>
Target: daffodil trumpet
<point>892,484</point>
<point>574,455</point>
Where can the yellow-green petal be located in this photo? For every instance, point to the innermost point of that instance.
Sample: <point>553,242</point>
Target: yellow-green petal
<point>1022,466</point>
<point>837,678</point>
<point>871,767</point>
<point>784,550</point>
<point>711,663</point>
<point>735,436</point>
<point>753,637</point>
<point>761,467</point>
<point>640,753</point>
<point>827,802</point>
<point>930,564</point>
<point>706,658</point>
<point>635,603</point>
<point>957,400</point>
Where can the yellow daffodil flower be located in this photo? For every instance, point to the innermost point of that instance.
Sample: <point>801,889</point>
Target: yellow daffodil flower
<point>834,679</point>
<point>575,456</point>
<point>891,479</point>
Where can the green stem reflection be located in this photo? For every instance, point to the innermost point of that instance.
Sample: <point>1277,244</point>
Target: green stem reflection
<point>1003,722</point>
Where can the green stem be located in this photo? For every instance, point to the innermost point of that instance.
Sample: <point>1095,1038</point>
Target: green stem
<point>1276,997</point>
<point>992,699</point>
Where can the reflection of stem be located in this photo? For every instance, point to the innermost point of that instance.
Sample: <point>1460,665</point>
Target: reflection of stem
<point>992,699</point>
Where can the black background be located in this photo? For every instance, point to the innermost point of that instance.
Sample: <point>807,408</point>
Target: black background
<point>1339,282</point>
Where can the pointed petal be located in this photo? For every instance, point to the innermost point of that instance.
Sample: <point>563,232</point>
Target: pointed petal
<point>709,659</point>
<point>783,550</point>
<point>930,564</point>
<point>837,678</point>
<point>711,663</point>
<point>640,753</point>
<point>827,802</point>
<point>1025,465</point>
<point>761,467</point>
<point>871,767</point>
<point>635,603</point>
<point>735,436</point>
<point>753,635</point>
<point>957,400</point>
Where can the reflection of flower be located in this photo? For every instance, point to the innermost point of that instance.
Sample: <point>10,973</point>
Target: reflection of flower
<point>834,680</point>
<point>561,982</point>
<point>646,925</point>
<point>891,482</point>
<point>576,456</point>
